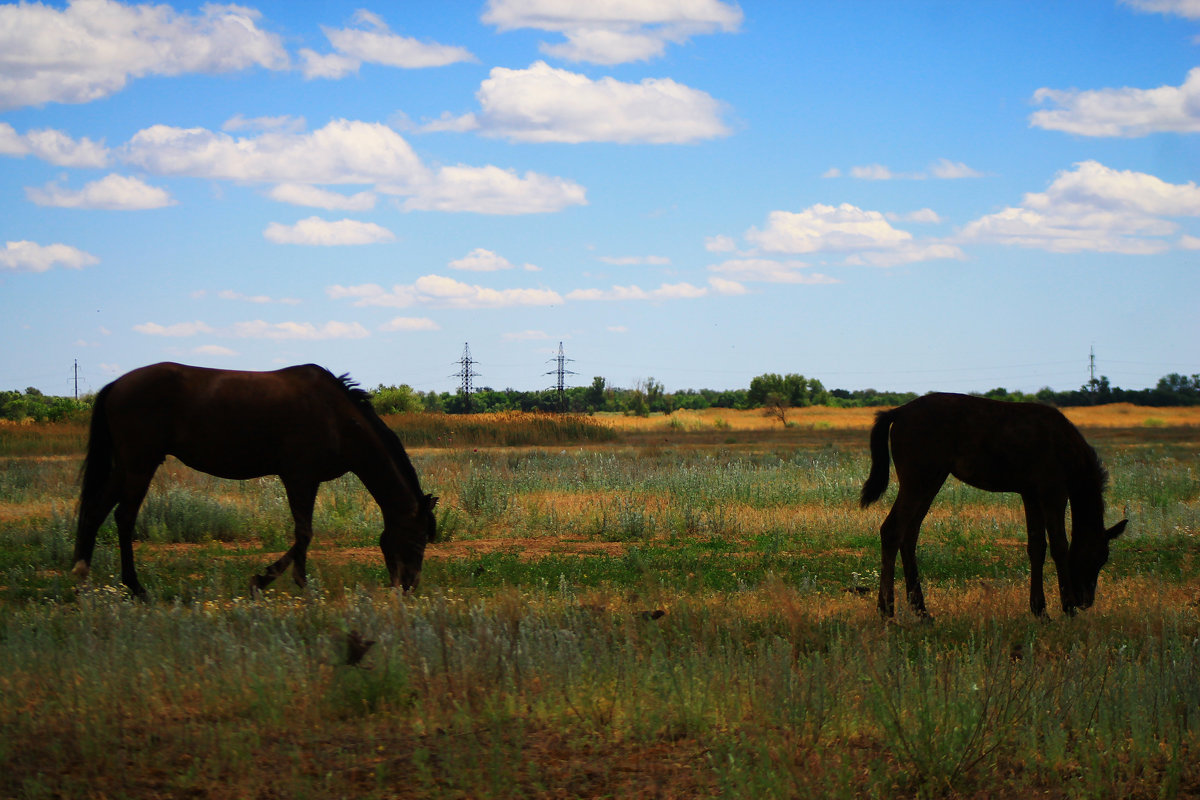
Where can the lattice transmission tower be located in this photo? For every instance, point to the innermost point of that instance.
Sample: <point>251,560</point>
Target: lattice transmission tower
<point>466,373</point>
<point>560,372</point>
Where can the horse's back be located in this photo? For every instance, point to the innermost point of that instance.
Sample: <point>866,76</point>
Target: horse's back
<point>230,423</point>
<point>992,444</point>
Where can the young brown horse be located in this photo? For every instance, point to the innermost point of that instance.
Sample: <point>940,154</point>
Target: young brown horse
<point>1027,448</point>
<point>300,423</point>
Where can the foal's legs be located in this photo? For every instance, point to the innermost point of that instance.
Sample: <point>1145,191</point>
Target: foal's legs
<point>899,532</point>
<point>302,496</point>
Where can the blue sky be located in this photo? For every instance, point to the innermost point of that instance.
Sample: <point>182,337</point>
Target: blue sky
<point>878,193</point>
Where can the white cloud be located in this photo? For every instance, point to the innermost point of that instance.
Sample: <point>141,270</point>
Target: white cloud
<point>909,253</point>
<point>213,350</point>
<point>525,336</point>
<point>53,146</point>
<point>373,42</point>
<point>1092,208</point>
<point>408,324</point>
<point>1122,112</point>
<point>925,215</point>
<point>1189,242</point>
<point>91,48</point>
<point>258,329</point>
<point>24,256</point>
<point>328,65</point>
<point>614,31</point>
<point>316,231</point>
<point>821,228</point>
<point>285,123</point>
<point>114,192</point>
<point>179,329</point>
<point>305,331</point>
<point>942,169</point>
<point>303,194</point>
<point>343,151</point>
<point>262,299</point>
<point>544,104</point>
<point>1184,8</point>
<point>873,172</point>
<point>481,260</point>
<point>767,270</point>
<point>492,190</point>
<point>720,244</point>
<point>866,236</point>
<point>443,292</point>
<point>667,291</point>
<point>631,261</point>
<point>727,287</point>
<point>946,169</point>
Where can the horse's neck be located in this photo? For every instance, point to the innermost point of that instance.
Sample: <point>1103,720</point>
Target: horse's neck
<point>394,490</point>
<point>1087,509</point>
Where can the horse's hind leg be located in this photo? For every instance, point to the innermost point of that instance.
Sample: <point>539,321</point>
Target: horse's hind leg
<point>131,494</point>
<point>899,533</point>
<point>91,517</point>
<point>302,496</point>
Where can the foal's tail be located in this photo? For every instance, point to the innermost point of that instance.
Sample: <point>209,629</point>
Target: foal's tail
<point>877,481</point>
<point>94,477</point>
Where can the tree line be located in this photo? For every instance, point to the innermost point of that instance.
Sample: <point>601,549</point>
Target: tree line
<point>771,391</point>
<point>774,393</point>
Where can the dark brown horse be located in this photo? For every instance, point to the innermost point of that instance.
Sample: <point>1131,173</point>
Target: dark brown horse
<point>1027,448</point>
<point>300,423</point>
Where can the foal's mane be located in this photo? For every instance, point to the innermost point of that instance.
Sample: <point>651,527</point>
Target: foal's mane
<point>362,400</point>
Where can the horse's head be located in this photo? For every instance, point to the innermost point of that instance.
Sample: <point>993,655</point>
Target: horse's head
<point>1085,561</point>
<point>404,550</point>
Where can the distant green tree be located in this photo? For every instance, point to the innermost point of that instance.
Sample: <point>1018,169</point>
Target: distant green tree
<point>595,395</point>
<point>795,391</point>
<point>396,400</point>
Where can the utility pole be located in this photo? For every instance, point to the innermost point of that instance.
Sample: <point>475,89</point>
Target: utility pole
<point>77,379</point>
<point>561,372</point>
<point>466,374</point>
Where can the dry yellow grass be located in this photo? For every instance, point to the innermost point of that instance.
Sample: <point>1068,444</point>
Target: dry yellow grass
<point>1115,415</point>
<point>711,419</point>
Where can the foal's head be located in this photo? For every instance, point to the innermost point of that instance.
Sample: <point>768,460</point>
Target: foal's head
<point>404,551</point>
<point>1087,556</point>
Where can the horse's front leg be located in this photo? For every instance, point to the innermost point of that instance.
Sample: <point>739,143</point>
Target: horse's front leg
<point>1059,551</point>
<point>1035,546</point>
<point>302,496</point>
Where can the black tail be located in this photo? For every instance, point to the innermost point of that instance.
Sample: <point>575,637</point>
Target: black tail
<point>877,481</point>
<point>95,475</point>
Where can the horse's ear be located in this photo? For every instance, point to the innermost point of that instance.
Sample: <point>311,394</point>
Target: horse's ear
<point>1116,530</point>
<point>430,502</point>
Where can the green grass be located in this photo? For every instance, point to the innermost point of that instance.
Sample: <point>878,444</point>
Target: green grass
<point>598,621</point>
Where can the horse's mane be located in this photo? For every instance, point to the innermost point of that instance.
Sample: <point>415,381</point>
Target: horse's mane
<point>362,400</point>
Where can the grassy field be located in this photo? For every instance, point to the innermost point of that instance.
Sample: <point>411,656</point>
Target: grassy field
<point>672,606</point>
